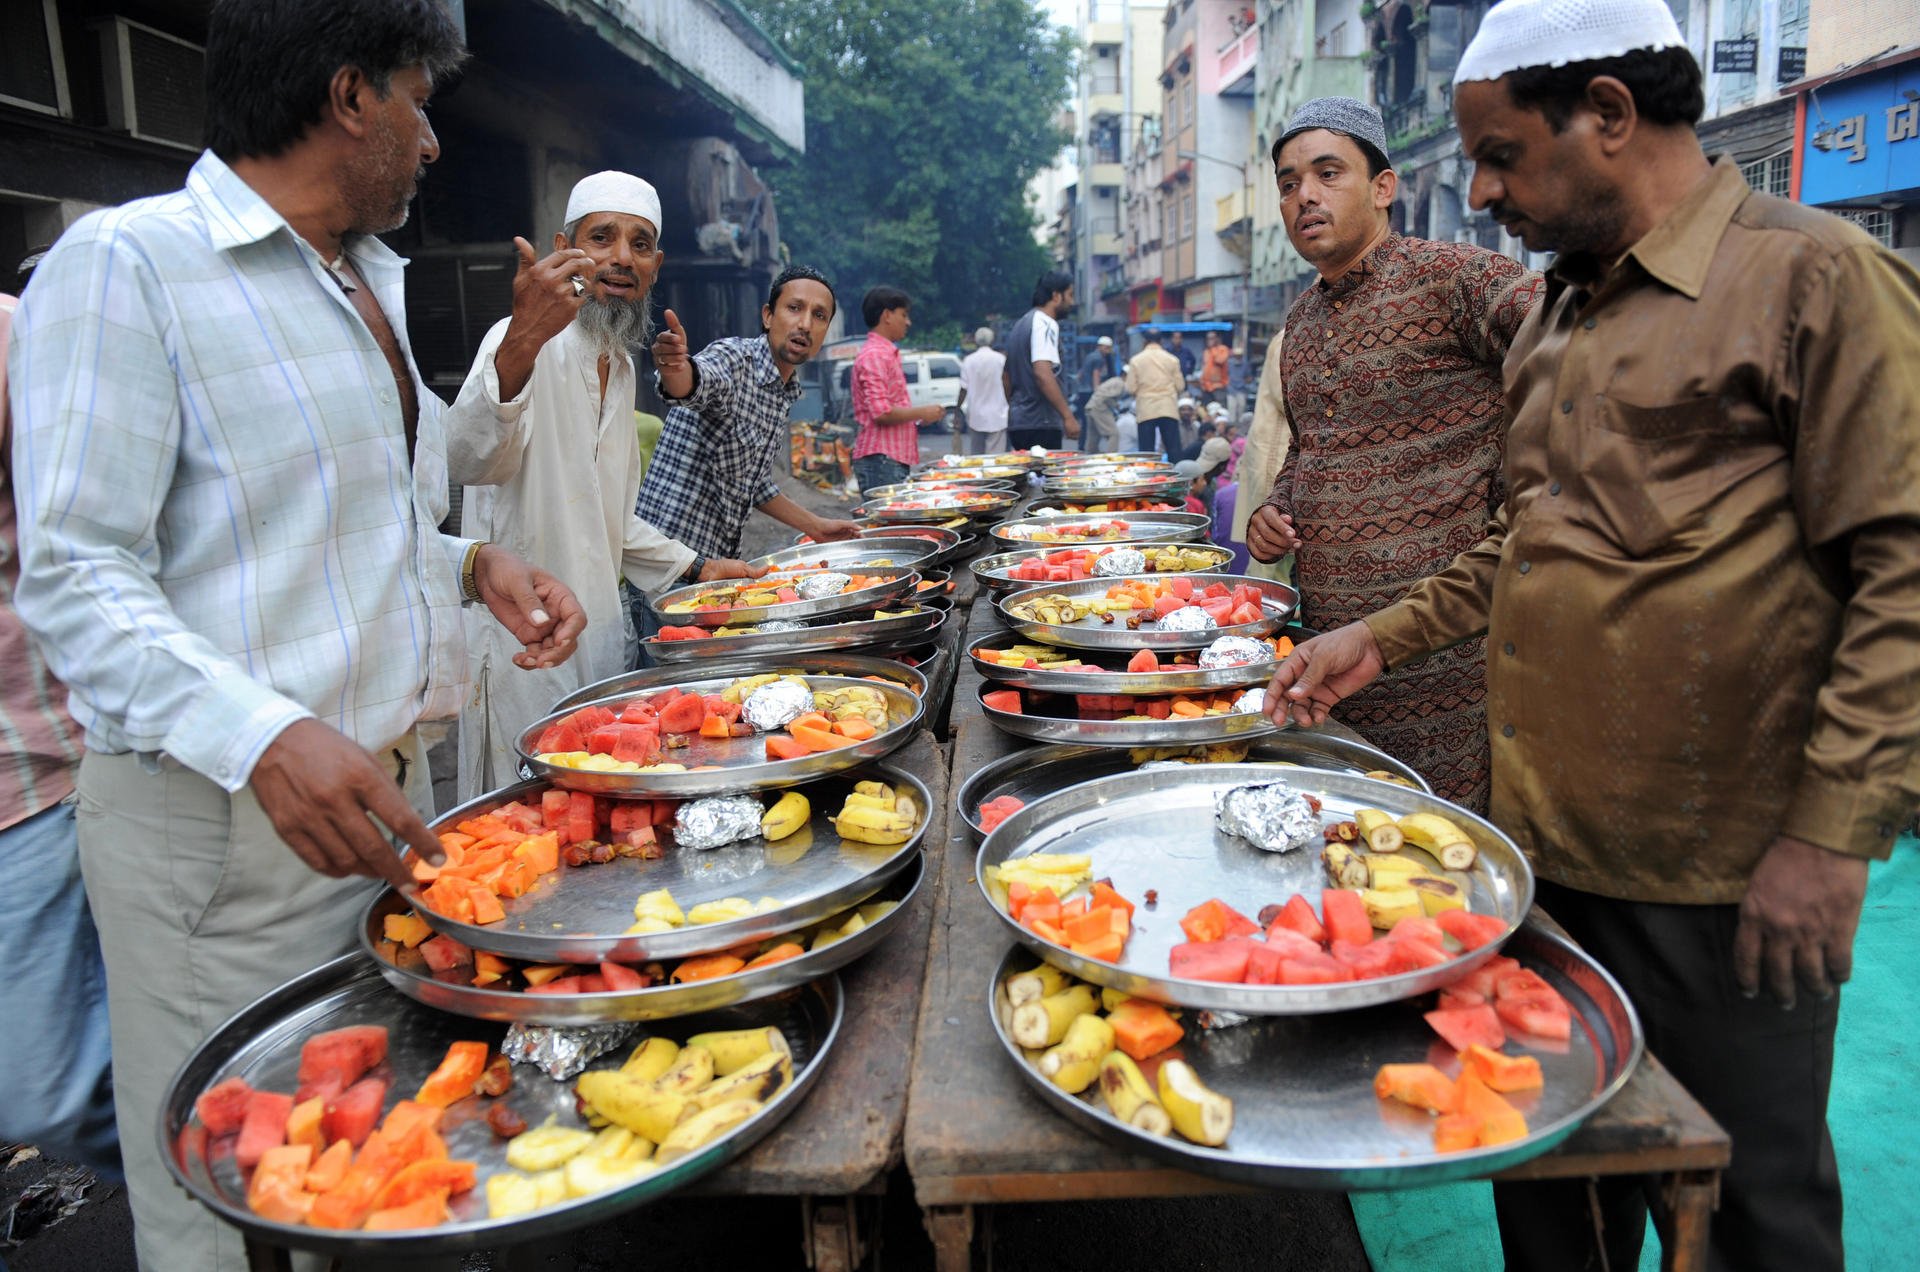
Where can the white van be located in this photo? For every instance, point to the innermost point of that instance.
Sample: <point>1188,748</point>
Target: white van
<point>933,379</point>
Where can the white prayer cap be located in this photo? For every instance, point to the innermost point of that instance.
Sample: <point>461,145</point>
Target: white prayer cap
<point>1519,34</point>
<point>614,192</point>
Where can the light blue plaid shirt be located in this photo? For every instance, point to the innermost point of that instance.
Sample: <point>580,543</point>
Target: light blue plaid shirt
<point>220,531</point>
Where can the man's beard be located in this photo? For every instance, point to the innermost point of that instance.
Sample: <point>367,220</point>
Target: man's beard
<point>617,325</point>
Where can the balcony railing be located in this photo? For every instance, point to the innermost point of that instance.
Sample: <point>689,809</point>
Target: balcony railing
<point>1238,55</point>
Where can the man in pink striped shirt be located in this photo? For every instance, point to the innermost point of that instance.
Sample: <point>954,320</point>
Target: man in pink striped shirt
<point>888,444</point>
<point>60,1094</point>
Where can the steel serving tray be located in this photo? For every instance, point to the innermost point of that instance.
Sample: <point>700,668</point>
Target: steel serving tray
<point>842,634</point>
<point>580,914</point>
<point>1061,461</point>
<point>983,505</point>
<point>899,550</point>
<point>453,991</point>
<point>1154,829</point>
<point>1137,527</point>
<point>719,766</point>
<point>1304,1111</point>
<point>1037,772</point>
<point>1114,678</point>
<point>995,571</point>
<point>1277,602</point>
<point>1013,475</point>
<point>1036,723</point>
<point>891,581</point>
<point>646,678</point>
<point>262,1045</point>
<point>921,487</point>
<point>1022,460</point>
<point>1067,506</point>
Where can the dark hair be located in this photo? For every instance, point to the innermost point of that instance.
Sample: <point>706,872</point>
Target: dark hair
<point>879,300</point>
<point>270,62</point>
<point>1051,284</point>
<point>1376,161</point>
<point>1665,84</point>
<point>795,274</point>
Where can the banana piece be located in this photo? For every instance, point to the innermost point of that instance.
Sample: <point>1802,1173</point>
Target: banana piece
<point>868,825</point>
<point>1111,998</point>
<point>586,1175</point>
<point>759,1081</point>
<point>788,815</point>
<point>1392,871</point>
<point>725,910</point>
<point>510,1193</point>
<point>1042,981</point>
<point>1446,841</point>
<point>1379,830</point>
<point>703,1127</point>
<point>1437,895</point>
<point>735,1049</point>
<point>640,1107</point>
<point>1387,906</point>
<point>1198,1112</point>
<point>617,1144</point>
<point>1128,1097</point>
<point>651,1059</point>
<point>546,1147</point>
<point>1344,866</point>
<point>1074,1062</point>
<point>1045,1022</point>
<point>691,1070</point>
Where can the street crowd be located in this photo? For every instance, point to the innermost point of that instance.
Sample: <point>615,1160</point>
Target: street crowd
<point>1611,553</point>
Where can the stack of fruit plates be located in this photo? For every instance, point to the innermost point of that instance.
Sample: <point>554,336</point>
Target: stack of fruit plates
<point>947,543</point>
<point>1180,611</point>
<point>927,487</point>
<point>1012,475</point>
<point>646,678</point>
<point>903,550</point>
<point>1066,461</point>
<point>910,621</point>
<point>923,506</point>
<point>1090,506</point>
<point>1123,527</point>
<point>1006,571</point>
<point>1115,483</point>
<point>1023,460</point>
<point>994,793</point>
<point>695,736</point>
<point>1143,673</point>
<point>338,1116</point>
<point>791,596</point>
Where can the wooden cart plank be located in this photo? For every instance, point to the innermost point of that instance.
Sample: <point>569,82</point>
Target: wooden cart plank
<point>847,1134</point>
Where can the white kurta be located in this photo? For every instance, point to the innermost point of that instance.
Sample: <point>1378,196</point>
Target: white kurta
<point>553,475</point>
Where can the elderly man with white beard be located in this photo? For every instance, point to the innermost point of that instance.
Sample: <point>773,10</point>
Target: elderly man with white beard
<point>543,435</point>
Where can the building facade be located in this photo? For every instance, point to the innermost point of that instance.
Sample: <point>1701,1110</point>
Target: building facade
<point>102,101</point>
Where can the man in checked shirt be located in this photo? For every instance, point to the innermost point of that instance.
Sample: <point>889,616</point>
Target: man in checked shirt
<point>728,423</point>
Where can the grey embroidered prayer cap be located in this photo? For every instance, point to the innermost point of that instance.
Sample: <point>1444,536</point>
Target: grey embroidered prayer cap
<point>1344,115</point>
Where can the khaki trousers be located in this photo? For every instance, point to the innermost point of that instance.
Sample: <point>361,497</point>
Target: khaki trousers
<point>201,910</point>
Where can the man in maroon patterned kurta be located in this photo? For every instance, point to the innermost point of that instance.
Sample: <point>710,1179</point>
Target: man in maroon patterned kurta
<point>1391,370</point>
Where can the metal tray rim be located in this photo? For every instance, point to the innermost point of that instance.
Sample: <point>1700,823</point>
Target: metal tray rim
<point>1255,1000</point>
<point>1117,733</point>
<point>1222,1162</point>
<point>641,680</point>
<point>660,1002</point>
<point>922,624</point>
<point>1133,684</point>
<point>1108,638</point>
<point>901,579</point>
<point>1152,527</point>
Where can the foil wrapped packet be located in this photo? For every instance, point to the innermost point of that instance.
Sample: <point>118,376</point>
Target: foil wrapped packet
<point>773,705</point>
<point>1271,816</point>
<point>564,1053</point>
<point>817,587</point>
<point>779,625</point>
<point>718,819</point>
<point>1234,651</point>
<point>1188,618</point>
<point>1121,561</point>
<point>1253,701</point>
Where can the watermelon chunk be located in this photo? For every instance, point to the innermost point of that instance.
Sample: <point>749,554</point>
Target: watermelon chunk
<point>1345,916</point>
<point>564,736</point>
<point>443,954</point>
<point>331,1062</point>
<point>1297,916</point>
<point>1461,1027</point>
<point>1003,700</point>
<point>1223,961</point>
<point>1144,660</point>
<point>264,1127</point>
<point>353,1113</point>
<point>223,1107</point>
<point>683,715</point>
<point>1471,930</point>
<point>553,809</point>
<point>995,811</point>
<point>1314,969</point>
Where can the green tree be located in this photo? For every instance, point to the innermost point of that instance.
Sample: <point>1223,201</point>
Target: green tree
<point>925,122</point>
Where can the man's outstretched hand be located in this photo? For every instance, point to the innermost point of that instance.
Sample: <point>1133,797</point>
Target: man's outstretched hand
<point>1320,673</point>
<point>1797,921</point>
<point>541,611</point>
<point>322,790</point>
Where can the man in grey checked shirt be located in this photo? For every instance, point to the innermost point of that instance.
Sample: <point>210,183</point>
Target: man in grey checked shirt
<point>728,423</point>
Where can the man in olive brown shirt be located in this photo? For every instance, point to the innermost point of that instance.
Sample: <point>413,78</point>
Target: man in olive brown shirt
<point>1699,601</point>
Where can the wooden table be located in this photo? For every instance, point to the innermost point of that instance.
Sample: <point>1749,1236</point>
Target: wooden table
<point>833,1152</point>
<point>975,1135</point>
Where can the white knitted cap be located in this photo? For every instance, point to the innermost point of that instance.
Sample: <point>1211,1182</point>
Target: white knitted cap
<point>1517,34</point>
<point>614,192</point>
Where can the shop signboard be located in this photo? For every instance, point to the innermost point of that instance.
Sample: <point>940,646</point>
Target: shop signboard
<point>1862,137</point>
<point>1736,57</point>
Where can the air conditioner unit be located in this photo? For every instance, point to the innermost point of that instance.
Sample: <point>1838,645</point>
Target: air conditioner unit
<point>155,84</point>
<point>34,72</point>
